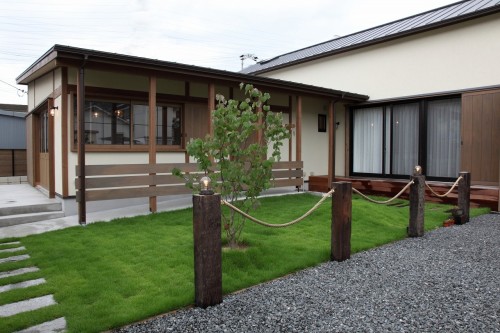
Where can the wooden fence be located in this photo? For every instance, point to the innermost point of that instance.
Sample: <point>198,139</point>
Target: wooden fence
<point>106,182</point>
<point>13,162</point>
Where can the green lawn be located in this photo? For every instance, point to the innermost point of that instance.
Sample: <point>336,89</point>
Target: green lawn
<point>107,275</point>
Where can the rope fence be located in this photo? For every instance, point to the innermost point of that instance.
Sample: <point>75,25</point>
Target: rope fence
<point>447,193</point>
<point>386,201</point>
<point>283,225</point>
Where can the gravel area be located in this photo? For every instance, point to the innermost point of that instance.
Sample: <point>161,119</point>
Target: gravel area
<point>446,281</point>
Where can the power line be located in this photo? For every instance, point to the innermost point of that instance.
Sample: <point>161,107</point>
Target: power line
<point>18,89</point>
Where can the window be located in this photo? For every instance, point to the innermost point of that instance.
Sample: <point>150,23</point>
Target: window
<point>168,125</point>
<point>122,123</point>
<point>368,140</point>
<point>443,138</point>
<point>389,140</point>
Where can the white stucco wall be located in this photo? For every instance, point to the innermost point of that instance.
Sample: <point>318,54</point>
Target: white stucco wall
<point>41,89</point>
<point>457,57</point>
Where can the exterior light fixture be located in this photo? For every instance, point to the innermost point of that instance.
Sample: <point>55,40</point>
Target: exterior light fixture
<point>206,186</point>
<point>118,112</point>
<point>417,170</point>
<point>337,124</point>
<point>52,110</point>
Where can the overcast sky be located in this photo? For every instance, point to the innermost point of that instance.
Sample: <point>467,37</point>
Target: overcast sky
<point>210,33</point>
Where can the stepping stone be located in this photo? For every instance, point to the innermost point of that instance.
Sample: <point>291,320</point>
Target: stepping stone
<point>8,310</point>
<point>14,258</point>
<point>15,249</point>
<point>24,284</point>
<point>19,271</point>
<point>11,243</point>
<point>53,326</point>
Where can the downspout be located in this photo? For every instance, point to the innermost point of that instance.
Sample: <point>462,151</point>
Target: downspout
<point>82,205</point>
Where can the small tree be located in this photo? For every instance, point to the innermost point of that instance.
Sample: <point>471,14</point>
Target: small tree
<point>239,165</point>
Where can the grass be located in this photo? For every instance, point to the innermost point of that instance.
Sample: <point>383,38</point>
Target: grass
<point>107,275</point>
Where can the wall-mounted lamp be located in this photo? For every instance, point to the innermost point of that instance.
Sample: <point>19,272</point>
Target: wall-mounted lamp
<point>118,113</point>
<point>337,124</point>
<point>206,186</point>
<point>52,110</point>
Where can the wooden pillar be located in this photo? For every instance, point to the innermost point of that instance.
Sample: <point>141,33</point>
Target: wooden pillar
<point>331,142</point>
<point>417,205</point>
<point>152,135</point>
<point>211,107</point>
<point>341,221</point>
<point>51,147</point>
<point>464,197</point>
<point>64,130</point>
<point>80,97</point>
<point>298,130</point>
<point>207,250</point>
<point>260,132</point>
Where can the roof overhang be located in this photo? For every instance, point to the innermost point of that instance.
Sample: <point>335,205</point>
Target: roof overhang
<point>59,56</point>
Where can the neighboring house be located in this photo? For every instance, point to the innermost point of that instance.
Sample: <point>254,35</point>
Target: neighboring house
<point>125,95</point>
<point>434,86</point>
<point>12,140</point>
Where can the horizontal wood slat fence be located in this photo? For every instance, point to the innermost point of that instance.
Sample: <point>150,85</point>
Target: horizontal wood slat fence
<point>13,162</point>
<point>107,182</point>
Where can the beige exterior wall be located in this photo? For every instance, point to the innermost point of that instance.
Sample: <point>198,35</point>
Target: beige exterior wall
<point>458,57</point>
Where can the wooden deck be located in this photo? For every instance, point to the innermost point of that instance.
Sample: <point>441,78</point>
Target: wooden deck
<point>484,196</point>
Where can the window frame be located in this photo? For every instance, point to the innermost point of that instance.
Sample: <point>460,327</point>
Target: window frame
<point>387,111</point>
<point>129,147</point>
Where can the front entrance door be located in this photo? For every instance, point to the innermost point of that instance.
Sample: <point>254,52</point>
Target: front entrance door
<point>44,169</point>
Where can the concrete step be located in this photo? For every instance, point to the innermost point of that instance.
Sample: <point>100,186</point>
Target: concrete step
<point>53,326</point>
<point>18,209</point>
<point>36,303</point>
<point>16,219</point>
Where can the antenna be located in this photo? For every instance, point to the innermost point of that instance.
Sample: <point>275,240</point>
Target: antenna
<point>248,56</point>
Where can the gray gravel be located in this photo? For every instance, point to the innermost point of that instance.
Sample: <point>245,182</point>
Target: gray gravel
<point>446,281</point>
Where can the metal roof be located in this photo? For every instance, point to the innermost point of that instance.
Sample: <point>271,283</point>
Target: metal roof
<point>77,56</point>
<point>439,17</point>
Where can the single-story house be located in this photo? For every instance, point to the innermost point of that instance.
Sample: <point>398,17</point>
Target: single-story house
<point>12,142</point>
<point>138,110</point>
<point>434,86</point>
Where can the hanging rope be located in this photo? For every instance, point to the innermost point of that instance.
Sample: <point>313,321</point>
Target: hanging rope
<point>271,225</point>
<point>447,193</point>
<point>387,201</point>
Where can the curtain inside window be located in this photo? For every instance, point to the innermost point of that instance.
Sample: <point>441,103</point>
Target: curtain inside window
<point>443,138</point>
<point>404,138</point>
<point>367,140</point>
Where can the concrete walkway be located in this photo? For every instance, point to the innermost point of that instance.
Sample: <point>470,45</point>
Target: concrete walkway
<point>25,194</point>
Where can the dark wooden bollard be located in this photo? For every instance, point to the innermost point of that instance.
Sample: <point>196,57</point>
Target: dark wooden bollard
<point>463,198</point>
<point>207,250</point>
<point>341,221</point>
<point>417,205</point>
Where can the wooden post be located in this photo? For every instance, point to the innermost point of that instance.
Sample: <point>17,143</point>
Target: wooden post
<point>152,135</point>
<point>464,197</point>
<point>207,250</point>
<point>341,221</point>
<point>417,204</point>
<point>331,142</point>
<point>298,130</point>
<point>80,110</point>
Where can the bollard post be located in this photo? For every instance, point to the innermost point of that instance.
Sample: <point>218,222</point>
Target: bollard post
<point>417,203</point>
<point>341,221</point>
<point>207,250</point>
<point>464,198</point>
